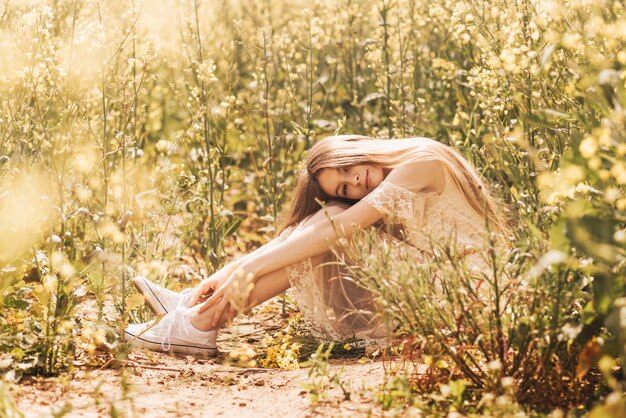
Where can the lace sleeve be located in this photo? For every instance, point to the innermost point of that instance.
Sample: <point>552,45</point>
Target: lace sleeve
<point>395,201</point>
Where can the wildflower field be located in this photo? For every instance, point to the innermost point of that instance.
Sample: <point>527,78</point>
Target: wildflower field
<point>162,138</point>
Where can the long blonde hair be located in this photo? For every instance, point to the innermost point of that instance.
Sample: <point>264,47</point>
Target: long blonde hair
<point>347,150</point>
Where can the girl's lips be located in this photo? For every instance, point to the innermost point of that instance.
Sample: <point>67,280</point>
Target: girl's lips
<point>367,179</point>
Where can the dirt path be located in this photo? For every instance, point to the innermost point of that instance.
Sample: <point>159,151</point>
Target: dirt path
<point>199,390</point>
<point>156,385</point>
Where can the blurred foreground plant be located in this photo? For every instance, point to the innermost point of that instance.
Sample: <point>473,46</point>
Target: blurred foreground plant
<point>8,409</point>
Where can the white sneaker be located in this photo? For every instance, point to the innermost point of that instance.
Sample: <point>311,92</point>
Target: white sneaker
<point>173,333</point>
<point>160,299</point>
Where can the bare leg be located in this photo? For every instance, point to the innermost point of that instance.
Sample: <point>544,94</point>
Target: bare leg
<point>267,286</point>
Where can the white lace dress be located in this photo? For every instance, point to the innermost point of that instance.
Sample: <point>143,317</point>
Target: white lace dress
<point>336,307</point>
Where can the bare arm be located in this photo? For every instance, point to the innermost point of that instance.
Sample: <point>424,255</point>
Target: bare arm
<point>312,240</point>
<point>233,265</point>
<point>318,238</point>
<point>209,284</point>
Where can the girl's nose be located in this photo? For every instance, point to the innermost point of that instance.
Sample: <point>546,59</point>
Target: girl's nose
<point>356,179</point>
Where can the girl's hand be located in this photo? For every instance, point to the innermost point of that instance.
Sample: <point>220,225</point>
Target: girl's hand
<point>232,294</point>
<point>207,287</point>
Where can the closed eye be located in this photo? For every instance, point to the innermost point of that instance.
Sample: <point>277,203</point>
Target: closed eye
<point>344,189</point>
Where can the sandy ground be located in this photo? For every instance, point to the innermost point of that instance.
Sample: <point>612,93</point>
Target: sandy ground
<point>200,390</point>
<point>157,385</point>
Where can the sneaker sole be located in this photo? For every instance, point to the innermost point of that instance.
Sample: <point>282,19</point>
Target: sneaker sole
<point>140,342</point>
<point>152,300</point>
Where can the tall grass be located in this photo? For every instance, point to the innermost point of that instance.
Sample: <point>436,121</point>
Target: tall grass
<point>166,137</point>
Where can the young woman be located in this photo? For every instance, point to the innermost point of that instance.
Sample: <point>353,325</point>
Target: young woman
<point>426,187</point>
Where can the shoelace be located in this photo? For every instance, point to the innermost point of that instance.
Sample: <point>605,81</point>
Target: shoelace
<point>174,324</point>
<point>187,294</point>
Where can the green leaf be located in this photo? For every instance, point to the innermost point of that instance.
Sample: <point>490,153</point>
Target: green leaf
<point>231,227</point>
<point>591,231</point>
<point>558,236</point>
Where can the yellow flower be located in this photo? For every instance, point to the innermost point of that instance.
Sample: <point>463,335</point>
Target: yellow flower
<point>604,175</point>
<point>611,194</point>
<point>594,163</point>
<point>281,352</point>
<point>605,138</point>
<point>588,147</point>
<point>574,174</point>
<point>618,171</point>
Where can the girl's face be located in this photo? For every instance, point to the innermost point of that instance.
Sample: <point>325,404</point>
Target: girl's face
<point>352,182</point>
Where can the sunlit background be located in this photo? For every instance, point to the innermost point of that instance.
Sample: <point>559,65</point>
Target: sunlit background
<point>162,138</point>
